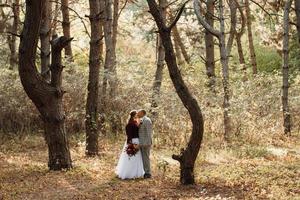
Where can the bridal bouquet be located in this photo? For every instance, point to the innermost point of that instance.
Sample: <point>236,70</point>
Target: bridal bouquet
<point>132,149</point>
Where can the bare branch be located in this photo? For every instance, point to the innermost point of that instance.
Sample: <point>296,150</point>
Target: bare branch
<point>203,22</point>
<point>178,15</point>
<point>81,18</point>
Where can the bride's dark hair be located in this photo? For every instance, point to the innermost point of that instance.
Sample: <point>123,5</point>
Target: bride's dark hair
<point>132,115</point>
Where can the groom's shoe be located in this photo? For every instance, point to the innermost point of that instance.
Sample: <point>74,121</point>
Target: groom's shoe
<point>147,176</point>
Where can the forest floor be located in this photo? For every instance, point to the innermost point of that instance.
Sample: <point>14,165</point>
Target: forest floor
<point>244,172</point>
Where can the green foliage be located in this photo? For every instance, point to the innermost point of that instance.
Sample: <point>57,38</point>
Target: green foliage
<point>268,59</point>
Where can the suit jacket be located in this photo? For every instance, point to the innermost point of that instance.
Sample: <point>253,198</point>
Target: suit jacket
<point>145,131</point>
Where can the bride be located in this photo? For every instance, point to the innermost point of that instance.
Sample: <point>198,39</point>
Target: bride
<point>130,167</point>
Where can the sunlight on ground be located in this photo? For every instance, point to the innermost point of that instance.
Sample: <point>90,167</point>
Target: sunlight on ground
<point>222,174</point>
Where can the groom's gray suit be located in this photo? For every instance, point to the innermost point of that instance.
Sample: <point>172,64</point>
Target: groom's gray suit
<point>145,137</point>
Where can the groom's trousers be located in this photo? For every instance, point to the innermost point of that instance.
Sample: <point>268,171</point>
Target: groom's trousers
<point>146,158</point>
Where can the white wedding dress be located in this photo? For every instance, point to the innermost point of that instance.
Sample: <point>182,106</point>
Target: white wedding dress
<point>130,167</point>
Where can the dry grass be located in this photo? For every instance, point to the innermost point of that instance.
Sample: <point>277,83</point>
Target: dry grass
<point>242,172</point>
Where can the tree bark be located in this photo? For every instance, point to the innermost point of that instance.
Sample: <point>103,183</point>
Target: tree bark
<point>188,156</point>
<point>108,63</point>
<point>209,45</point>
<point>55,20</point>
<point>232,32</point>
<point>159,66</point>
<point>12,39</point>
<point>224,60</point>
<point>177,50</point>
<point>225,73</point>
<point>285,69</point>
<point>250,37</point>
<point>93,84</point>
<point>66,25</point>
<point>297,11</point>
<point>239,35</point>
<point>178,40</point>
<point>46,97</point>
<point>45,31</point>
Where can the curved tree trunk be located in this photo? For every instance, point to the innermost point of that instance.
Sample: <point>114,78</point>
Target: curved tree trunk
<point>66,25</point>
<point>45,31</point>
<point>188,156</point>
<point>250,37</point>
<point>209,45</point>
<point>93,84</point>
<point>285,69</point>
<point>46,97</point>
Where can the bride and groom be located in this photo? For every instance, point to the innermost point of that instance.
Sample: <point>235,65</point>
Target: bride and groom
<point>134,161</point>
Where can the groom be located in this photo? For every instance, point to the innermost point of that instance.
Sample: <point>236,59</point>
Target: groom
<point>145,137</point>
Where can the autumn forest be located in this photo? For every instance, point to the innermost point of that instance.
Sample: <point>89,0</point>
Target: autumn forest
<point>215,84</point>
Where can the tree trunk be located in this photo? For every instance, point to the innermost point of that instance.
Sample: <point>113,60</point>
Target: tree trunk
<point>108,63</point>
<point>159,67</point>
<point>232,32</point>
<point>45,31</point>
<point>209,45</point>
<point>94,66</point>
<point>110,34</point>
<point>285,69</point>
<point>250,38</point>
<point>66,25</point>
<point>55,20</point>
<point>46,97</point>
<point>188,156</point>
<point>177,50</point>
<point>225,72</point>
<point>113,70</point>
<point>12,39</point>
<point>297,11</point>
<point>239,35</point>
<point>178,40</point>
<point>224,59</point>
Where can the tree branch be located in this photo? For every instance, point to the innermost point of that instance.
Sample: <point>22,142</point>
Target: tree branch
<point>203,22</point>
<point>178,15</point>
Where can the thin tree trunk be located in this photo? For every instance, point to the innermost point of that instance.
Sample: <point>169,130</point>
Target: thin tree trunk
<point>188,156</point>
<point>66,25</point>
<point>239,35</point>
<point>177,50</point>
<point>209,44</point>
<point>225,72</point>
<point>91,122</point>
<point>297,11</point>
<point>285,69</point>
<point>45,31</point>
<point>12,39</point>
<point>46,97</point>
<point>159,66</point>
<point>178,40</point>
<point>250,37</point>
<point>55,20</point>
<point>108,63</point>
<point>224,59</point>
<point>232,32</point>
